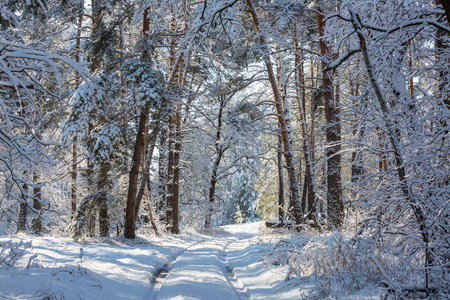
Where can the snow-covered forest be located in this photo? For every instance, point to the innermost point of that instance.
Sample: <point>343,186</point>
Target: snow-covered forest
<point>141,120</point>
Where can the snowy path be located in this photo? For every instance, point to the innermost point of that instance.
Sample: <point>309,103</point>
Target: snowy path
<point>199,273</point>
<point>203,271</point>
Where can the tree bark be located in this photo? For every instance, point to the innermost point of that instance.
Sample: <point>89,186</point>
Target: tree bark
<point>172,176</point>
<point>130,214</point>
<point>23,207</point>
<point>335,205</point>
<point>162,176</point>
<point>36,223</point>
<point>280,177</point>
<point>74,173</point>
<point>174,145</point>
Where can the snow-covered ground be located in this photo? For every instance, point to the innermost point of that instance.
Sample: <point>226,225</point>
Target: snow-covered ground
<point>228,264</point>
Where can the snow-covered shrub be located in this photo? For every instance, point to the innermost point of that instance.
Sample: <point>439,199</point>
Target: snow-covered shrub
<point>87,208</point>
<point>340,265</point>
<point>238,215</point>
<point>337,265</point>
<point>11,252</point>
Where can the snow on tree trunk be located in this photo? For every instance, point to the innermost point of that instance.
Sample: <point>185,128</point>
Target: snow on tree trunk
<point>280,176</point>
<point>335,205</point>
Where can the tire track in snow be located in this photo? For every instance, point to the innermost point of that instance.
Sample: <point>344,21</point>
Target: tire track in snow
<point>238,285</point>
<point>157,278</point>
<point>200,272</point>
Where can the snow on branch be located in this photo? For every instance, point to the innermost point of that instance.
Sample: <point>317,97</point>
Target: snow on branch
<point>343,58</point>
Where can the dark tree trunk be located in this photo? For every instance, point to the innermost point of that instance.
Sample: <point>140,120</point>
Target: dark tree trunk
<point>23,207</point>
<point>74,177</point>
<point>130,214</point>
<point>36,224</point>
<point>103,183</point>
<point>74,173</point>
<point>162,176</point>
<point>173,174</point>
<point>131,211</point>
<point>446,5</point>
<point>280,177</point>
<point>176,173</point>
<point>335,205</point>
<point>219,153</point>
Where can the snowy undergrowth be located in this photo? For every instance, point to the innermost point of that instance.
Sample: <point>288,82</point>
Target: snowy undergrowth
<point>11,252</point>
<point>336,266</point>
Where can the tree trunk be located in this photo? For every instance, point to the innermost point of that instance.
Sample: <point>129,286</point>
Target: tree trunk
<point>446,5</point>
<point>162,176</point>
<point>219,153</point>
<point>74,177</point>
<point>130,214</point>
<point>23,206</point>
<point>131,211</point>
<point>103,183</point>
<point>282,89</point>
<point>172,176</point>
<point>335,205</point>
<point>75,138</point>
<point>150,214</point>
<point>151,142</point>
<point>357,169</point>
<point>36,224</point>
<point>177,169</point>
<point>96,19</point>
<point>312,133</point>
<point>284,121</point>
<point>280,177</point>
